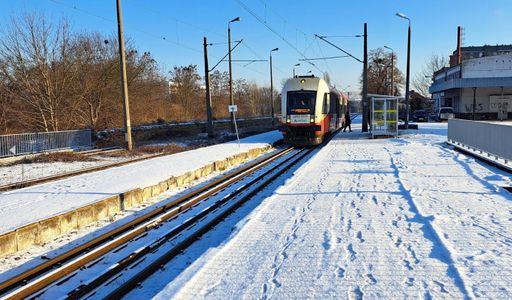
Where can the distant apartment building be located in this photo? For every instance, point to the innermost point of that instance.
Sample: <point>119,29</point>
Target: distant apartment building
<point>477,84</point>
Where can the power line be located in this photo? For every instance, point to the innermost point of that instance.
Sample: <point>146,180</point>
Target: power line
<point>324,58</point>
<point>152,35</point>
<point>343,36</point>
<point>259,19</point>
<point>149,34</point>
<point>191,25</point>
<point>339,48</point>
<point>322,53</point>
<point>260,57</point>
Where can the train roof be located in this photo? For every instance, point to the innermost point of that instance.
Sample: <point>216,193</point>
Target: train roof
<point>310,82</point>
<point>303,83</point>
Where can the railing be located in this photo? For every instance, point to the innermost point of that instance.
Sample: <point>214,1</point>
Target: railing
<point>485,139</point>
<point>27,143</point>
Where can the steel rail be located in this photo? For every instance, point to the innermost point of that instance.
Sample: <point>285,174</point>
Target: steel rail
<point>40,276</point>
<point>133,257</point>
<point>126,286</point>
<point>134,282</point>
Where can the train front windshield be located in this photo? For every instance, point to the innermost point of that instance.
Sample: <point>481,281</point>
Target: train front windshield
<point>301,102</point>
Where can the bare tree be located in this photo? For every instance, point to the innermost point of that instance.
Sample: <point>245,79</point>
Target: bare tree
<point>423,79</point>
<point>38,67</point>
<point>96,60</point>
<point>379,73</point>
<point>185,89</point>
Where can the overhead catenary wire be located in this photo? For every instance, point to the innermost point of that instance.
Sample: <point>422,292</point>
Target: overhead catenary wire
<point>260,57</point>
<point>146,33</point>
<point>263,22</point>
<point>190,25</point>
<point>305,35</point>
<point>155,36</point>
<point>149,34</point>
<point>324,58</point>
<point>322,53</point>
<point>337,47</point>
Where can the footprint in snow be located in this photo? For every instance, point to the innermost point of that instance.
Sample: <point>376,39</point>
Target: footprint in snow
<point>371,279</point>
<point>409,281</point>
<point>441,286</point>
<point>340,272</point>
<point>355,294</point>
<point>360,237</point>
<point>408,265</point>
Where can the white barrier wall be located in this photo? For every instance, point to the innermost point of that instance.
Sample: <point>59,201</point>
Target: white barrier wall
<point>494,139</point>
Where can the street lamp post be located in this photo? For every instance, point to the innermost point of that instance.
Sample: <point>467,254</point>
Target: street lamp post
<point>407,76</point>
<point>231,102</point>
<point>272,88</point>
<point>392,70</point>
<point>296,65</point>
<point>366,114</point>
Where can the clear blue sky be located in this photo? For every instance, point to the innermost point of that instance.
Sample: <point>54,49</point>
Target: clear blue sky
<point>184,23</point>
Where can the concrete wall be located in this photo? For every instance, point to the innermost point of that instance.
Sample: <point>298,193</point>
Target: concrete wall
<point>488,67</point>
<point>483,97</point>
<point>39,232</point>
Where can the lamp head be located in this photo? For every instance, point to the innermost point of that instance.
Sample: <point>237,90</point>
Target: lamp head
<point>403,16</point>
<point>296,65</point>
<point>275,49</point>
<point>237,19</point>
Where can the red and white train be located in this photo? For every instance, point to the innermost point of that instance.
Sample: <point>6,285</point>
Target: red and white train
<point>310,110</point>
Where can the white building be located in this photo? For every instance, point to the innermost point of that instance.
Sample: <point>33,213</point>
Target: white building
<point>479,87</point>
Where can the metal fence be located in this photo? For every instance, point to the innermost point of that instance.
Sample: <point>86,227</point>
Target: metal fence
<point>492,138</point>
<point>26,143</point>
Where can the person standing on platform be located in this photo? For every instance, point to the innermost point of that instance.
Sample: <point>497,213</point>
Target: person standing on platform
<point>347,122</point>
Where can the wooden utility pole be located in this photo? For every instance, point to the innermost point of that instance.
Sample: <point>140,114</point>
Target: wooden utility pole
<point>124,84</point>
<point>365,80</point>
<point>272,88</point>
<point>231,101</point>
<point>209,119</point>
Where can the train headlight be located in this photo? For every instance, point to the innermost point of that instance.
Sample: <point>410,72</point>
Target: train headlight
<point>288,120</point>
<point>312,120</point>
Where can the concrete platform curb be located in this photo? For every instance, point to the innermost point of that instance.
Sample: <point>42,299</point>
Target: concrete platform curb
<point>39,232</point>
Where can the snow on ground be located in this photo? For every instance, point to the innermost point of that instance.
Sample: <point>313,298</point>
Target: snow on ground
<point>384,218</point>
<point>30,204</point>
<point>22,172</point>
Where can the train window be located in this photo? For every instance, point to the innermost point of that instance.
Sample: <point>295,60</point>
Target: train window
<point>325,107</point>
<point>300,102</point>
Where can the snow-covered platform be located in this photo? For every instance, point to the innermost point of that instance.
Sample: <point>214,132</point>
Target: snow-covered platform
<point>407,217</point>
<point>28,205</point>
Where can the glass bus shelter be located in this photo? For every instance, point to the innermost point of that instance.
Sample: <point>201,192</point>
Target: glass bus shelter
<point>384,116</point>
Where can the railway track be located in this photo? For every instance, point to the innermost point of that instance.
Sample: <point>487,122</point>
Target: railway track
<point>103,151</point>
<point>114,263</point>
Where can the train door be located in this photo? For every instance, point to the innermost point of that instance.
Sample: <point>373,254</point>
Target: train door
<point>333,111</point>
